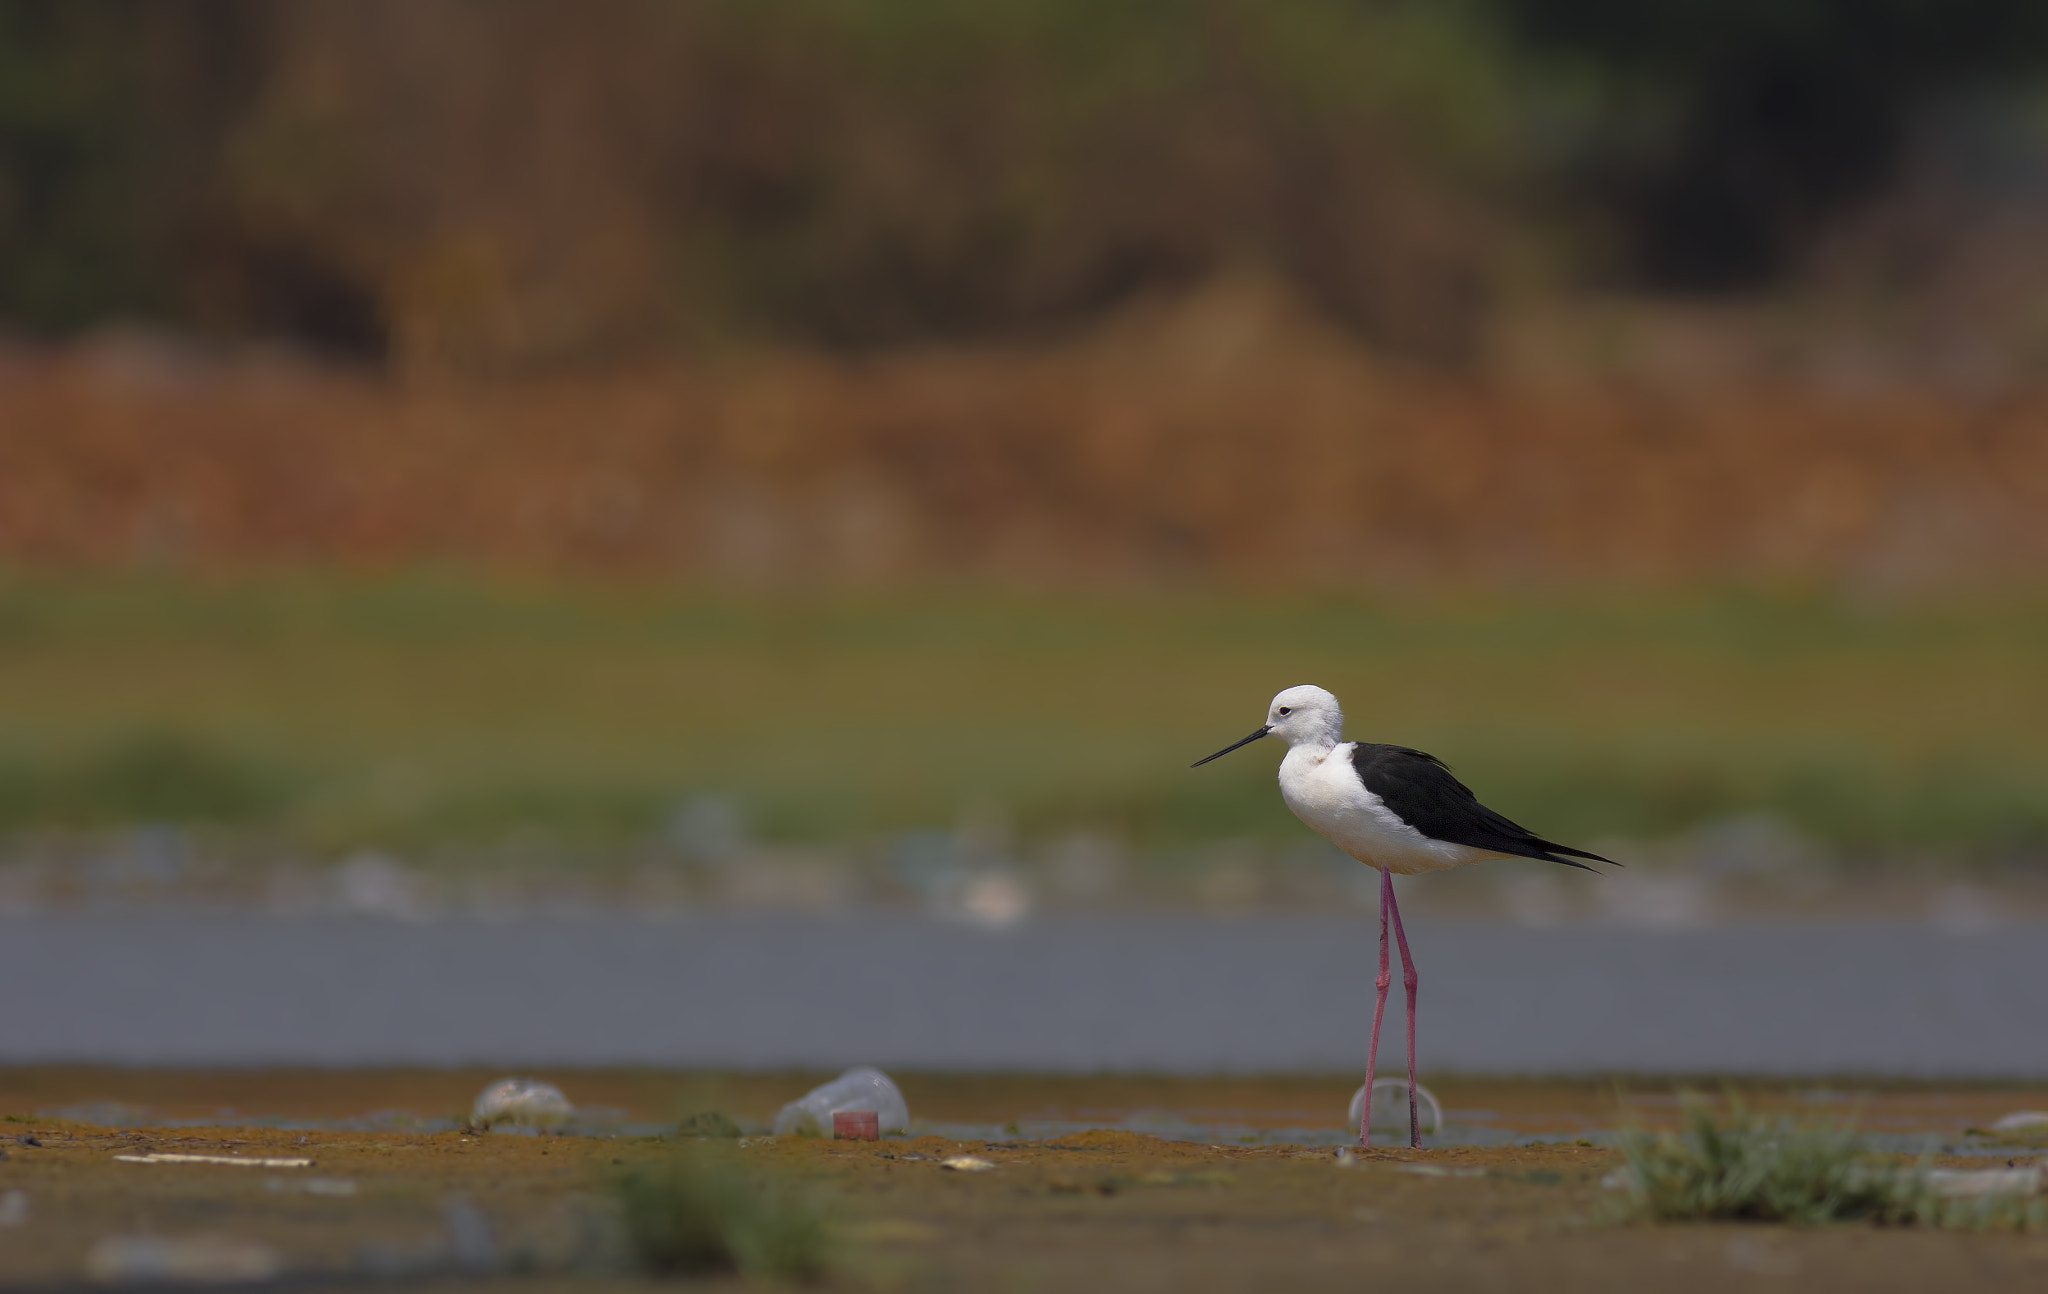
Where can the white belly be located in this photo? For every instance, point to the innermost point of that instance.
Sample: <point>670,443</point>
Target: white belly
<point>1324,791</point>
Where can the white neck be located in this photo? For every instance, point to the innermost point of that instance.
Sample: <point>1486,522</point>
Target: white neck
<point>1319,733</point>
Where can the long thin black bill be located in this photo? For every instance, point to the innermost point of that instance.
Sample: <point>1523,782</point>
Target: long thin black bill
<point>1232,746</point>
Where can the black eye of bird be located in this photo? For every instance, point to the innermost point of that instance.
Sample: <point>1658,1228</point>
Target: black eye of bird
<point>1285,708</point>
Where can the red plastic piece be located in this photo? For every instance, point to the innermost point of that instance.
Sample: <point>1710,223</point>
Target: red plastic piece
<point>857,1125</point>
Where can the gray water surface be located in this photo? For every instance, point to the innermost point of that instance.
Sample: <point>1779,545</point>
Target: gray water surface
<point>1174,994</point>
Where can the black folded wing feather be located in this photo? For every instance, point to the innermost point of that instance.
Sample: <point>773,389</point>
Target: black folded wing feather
<point>1425,794</point>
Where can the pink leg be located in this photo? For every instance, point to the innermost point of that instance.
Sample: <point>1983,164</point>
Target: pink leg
<point>1379,1007</point>
<point>1408,980</point>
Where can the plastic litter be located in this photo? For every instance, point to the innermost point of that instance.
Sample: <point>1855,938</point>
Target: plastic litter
<point>521,1103</point>
<point>1390,1106</point>
<point>856,1125</point>
<point>2023,1121</point>
<point>198,1259</point>
<point>966,1164</point>
<point>861,1088</point>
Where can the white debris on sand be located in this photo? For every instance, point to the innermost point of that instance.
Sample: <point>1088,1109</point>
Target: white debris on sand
<point>237,1161</point>
<point>966,1163</point>
<point>521,1103</point>
<point>861,1088</point>
<point>2023,1121</point>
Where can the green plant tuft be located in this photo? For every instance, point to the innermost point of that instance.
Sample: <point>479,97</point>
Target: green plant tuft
<point>1757,1170</point>
<point>709,1123</point>
<point>698,1211</point>
<point>1752,1169</point>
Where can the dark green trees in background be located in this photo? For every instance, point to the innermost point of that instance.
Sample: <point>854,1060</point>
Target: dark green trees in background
<point>1755,121</point>
<point>70,233</point>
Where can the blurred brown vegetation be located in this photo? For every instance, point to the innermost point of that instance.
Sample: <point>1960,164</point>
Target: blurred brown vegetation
<point>1037,289</point>
<point>1227,432</point>
<point>488,186</point>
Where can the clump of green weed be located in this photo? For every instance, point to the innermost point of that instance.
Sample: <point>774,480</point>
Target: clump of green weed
<point>1752,1169</point>
<point>698,1210</point>
<point>709,1123</point>
<point>1756,1170</point>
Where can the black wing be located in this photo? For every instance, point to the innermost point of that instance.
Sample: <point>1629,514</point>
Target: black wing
<point>1426,796</point>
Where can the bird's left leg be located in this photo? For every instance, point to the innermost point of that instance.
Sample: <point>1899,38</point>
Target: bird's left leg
<point>1408,981</point>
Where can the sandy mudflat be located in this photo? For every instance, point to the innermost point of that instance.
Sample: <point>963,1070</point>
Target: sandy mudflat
<point>1110,1208</point>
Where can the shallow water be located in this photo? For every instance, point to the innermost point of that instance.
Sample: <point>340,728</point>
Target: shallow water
<point>1169,994</point>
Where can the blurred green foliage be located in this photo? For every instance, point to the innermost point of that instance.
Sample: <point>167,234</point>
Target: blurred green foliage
<point>373,179</point>
<point>161,776</point>
<point>345,714</point>
<point>1747,1168</point>
<point>960,170</point>
<point>698,1211</point>
<point>1750,1169</point>
<point>856,173</point>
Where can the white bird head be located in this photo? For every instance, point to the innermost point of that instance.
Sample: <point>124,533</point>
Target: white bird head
<point>1305,714</point>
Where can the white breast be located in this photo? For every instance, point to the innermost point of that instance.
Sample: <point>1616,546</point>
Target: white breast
<point>1323,789</point>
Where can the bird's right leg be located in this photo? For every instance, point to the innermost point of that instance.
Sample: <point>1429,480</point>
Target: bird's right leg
<point>1408,978</point>
<point>1379,1007</point>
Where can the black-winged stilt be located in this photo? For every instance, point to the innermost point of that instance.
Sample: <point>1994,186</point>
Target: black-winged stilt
<point>1392,808</point>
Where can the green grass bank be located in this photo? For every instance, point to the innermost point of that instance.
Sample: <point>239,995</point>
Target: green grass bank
<point>333,713</point>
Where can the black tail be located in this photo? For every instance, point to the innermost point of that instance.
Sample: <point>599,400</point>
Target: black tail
<point>1549,851</point>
